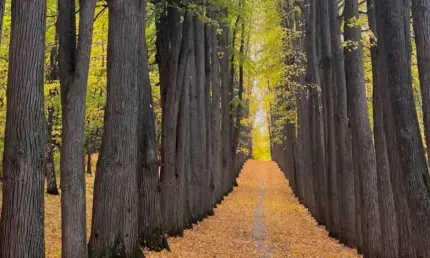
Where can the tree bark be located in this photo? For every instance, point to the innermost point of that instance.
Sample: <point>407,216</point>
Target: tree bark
<point>51,176</point>
<point>74,64</point>
<point>421,24</point>
<point>151,234</point>
<point>389,226</point>
<point>22,213</point>
<point>169,38</point>
<point>414,170</point>
<point>363,151</point>
<point>216,116</point>
<point>115,227</point>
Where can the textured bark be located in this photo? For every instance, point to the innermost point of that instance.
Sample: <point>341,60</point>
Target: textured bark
<point>22,213</point>
<point>225,108</point>
<point>312,185</point>
<point>363,151</point>
<point>389,226</point>
<point>169,38</point>
<point>406,243</point>
<point>414,170</point>
<point>201,173</point>
<point>183,144</point>
<point>347,211</point>
<point>215,117</point>
<point>331,188</point>
<point>210,190</point>
<point>151,234</point>
<point>89,163</point>
<point>74,61</point>
<point>115,225</point>
<point>421,24</point>
<point>51,176</point>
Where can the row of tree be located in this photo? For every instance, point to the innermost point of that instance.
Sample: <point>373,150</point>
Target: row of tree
<point>137,197</point>
<point>369,188</point>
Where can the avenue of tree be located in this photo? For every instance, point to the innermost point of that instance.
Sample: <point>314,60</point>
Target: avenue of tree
<point>168,96</point>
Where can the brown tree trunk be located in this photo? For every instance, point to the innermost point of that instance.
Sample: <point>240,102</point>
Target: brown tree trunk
<point>151,234</point>
<point>22,213</point>
<point>225,108</point>
<point>74,64</point>
<point>329,180</point>
<point>169,38</point>
<point>51,176</point>
<point>421,17</point>
<point>414,170</point>
<point>89,163</point>
<point>115,227</point>
<point>201,175</point>
<point>215,117</point>
<point>363,151</point>
<point>389,226</point>
<point>347,210</point>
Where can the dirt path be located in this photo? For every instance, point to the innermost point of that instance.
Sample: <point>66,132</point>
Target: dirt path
<point>261,218</point>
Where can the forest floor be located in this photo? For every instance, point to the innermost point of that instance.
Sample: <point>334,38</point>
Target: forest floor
<point>260,218</point>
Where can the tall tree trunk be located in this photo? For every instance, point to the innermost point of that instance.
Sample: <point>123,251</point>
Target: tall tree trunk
<point>74,64</point>
<point>421,24</point>
<point>200,156</point>
<point>414,170</point>
<point>22,213</point>
<point>51,176</point>
<point>115,225</point>
<point>347,212</point>
<point>225,107</point>
<point>363,151</point>
<point>329,180</point>
<point>210,187</point>
<point>389,226</point>
<point>169,38</point>
<point>151,234</point>
<point>184,141</point>
<point>216,116</point>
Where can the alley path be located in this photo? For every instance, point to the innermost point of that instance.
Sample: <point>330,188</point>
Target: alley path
<point>261,218</point>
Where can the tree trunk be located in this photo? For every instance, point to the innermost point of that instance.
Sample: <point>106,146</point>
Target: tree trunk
<point>74,64</point>
<point>414,170</point>
<point>225,108</point>
<point>347,210</point>
<point>51,176</point>
<point>421,17</point>
<point>389,226</point>
<point>331,188</point>
<point>151,234</point>
<point>215,117</point>
<point>22,213</point>
<point>201,175</point>
<point>363,151</point>
<point>169,38</point>
<point>89,163</point>
<point>115,227</point>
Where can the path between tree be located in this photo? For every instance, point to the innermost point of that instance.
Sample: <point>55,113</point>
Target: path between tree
<point>261,218</point>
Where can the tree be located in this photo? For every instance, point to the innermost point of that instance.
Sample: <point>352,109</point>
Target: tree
<point>51,177</point>
<point>413,172</point>
<point>115,226</point>
<point>74,64</point>
<point>363,152</point>
<point>151,234</point>
<point>22,219</point>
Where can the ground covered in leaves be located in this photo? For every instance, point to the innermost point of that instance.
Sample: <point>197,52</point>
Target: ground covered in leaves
<point>289,229</point>
<point>260,218</point>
